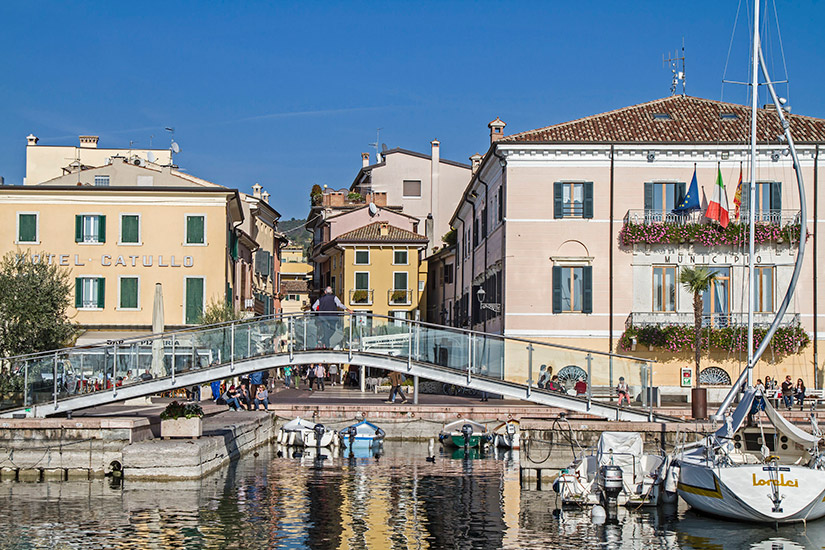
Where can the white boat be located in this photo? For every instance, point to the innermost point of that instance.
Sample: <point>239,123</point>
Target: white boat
<point>769,474</point>
<point>506,435</point>
<point>301,432</point>
<point>765,473</point>
<point>464,433</point>
<point>362,434</point>
<point>617,472</point>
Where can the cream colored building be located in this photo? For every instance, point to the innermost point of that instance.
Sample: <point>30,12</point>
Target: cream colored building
<point>296,275</point>
<point>546,228</point>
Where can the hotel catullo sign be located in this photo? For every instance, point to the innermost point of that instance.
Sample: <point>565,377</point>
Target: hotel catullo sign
<point>108,260</point>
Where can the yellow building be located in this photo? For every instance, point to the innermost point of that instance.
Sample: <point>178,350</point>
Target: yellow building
<point>376,268</point>
<point>295,277</point>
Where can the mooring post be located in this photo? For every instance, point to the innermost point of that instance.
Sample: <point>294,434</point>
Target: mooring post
<point>589,358</point>
<point>415,390</point>
<point>529,368</point>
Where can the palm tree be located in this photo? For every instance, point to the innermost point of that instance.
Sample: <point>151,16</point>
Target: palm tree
<point>697,280</point>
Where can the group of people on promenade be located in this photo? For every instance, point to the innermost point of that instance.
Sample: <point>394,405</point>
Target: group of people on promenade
<point>252,392</point>
<point>787,391</point>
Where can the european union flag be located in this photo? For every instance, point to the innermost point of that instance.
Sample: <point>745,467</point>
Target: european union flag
<point>691,200</point>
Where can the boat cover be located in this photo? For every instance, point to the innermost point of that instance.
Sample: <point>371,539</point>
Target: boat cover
<point>298,424</point>
<point>627,449</point>
<point>366,429</point>
<point>783,425</point>
<point>456,426</point>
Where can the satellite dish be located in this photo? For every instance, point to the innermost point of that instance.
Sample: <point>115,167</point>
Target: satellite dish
<point>373,209</point>
<point>383,147</point>
<point>150,156</point>
<point>175,148</point>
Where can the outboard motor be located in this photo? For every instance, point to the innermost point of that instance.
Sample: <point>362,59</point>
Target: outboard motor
<point>610,480</point>
<point>467,432</point>
<point>319,430</point>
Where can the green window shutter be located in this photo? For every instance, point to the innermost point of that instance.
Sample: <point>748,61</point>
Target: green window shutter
<point>558,212</point>
<point>78,229</point>
<point>776,196</point>
<point>78,292</point>
<point>101,220</point>
<point>129,292</point>
<point>587,187</point>
<point>130,229</point>
<point>587,289</point>
<point>194,230</point>
<point>101,292</point>
<point>556,289</point>
<point>194,300</point>
<point>362,281</point>
<point>233,245</point>
<point>648,195</point>
<point>229,294</point>
<point>679,193</point>
<point>28,228</point>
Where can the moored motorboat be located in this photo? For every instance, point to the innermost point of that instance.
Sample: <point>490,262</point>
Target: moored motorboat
<point>361,434</point>
<point>506,435</point>
<point>618,471</point>
<point>302,432</point>
<point>464,433</point>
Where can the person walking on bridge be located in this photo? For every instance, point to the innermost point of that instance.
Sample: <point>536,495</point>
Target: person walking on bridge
<point>327,306</point>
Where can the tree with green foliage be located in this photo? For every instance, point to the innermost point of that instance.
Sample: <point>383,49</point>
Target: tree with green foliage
<point>34,299</point>
<point>218,311</point>
<point>696,281</point>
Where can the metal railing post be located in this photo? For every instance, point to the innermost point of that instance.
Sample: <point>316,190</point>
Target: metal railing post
<point>173,359</point>
<point>114,371</point>
<point>650,392</point>
<point>291,325</point>
<point>349,344</point>
<point>248,342</point>
<point>305,333</point>
<point>469,355</point>
<point>529,368</point>
<point>26,383</point>
<point>589,359</point>
<point>54,367</point>
<point>232,346</point>
<point>409,346</point>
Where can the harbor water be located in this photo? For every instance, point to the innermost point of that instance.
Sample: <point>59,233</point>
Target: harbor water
<point>397,499</point>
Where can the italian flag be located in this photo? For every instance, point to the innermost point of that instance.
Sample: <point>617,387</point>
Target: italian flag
<point>718,207</point>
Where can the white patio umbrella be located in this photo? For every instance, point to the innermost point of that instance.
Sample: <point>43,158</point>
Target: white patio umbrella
<point>158,368</point>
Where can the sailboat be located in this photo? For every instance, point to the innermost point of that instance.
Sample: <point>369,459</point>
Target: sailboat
<point>775,473</point>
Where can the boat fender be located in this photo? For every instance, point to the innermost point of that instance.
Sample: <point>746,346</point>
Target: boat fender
<point>598,515</point>
<point>557,485</point>
<point>291,440</point>
<point>672,477</point>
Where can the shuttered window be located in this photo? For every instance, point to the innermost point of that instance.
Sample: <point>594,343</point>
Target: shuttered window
<point>130,228</point>
<point>572,289</point>
<point>412,189</point>
<point>573,200</point>
<point>90,228</point>
<point>128,292</point>
<point>90,292</point>
<point>195,230</point>
<point>194,299</point>
<point>27,228</point>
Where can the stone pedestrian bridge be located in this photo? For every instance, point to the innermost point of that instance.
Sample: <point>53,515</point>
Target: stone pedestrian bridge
<point>69,379</point>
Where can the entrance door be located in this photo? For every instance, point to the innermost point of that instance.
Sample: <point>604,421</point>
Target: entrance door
<point>716,300</point>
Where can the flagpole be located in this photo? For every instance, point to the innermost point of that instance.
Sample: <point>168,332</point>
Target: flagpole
<point>752,186</point>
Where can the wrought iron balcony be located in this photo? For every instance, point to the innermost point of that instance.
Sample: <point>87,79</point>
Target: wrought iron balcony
<point>399,297</point>
<point>361,297</point>
<point>716,320</point>
<point>649,217</point>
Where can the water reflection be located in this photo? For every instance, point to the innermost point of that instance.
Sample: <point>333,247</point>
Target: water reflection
<point>396,500</point>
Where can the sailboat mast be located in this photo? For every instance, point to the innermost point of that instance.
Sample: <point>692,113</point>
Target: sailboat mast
<point>752,186</point>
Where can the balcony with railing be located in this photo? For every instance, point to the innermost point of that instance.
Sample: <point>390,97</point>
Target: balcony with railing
<point>714,320</point>
<point>361,297</point>
<point>399,297</point>
<point>665,227</point>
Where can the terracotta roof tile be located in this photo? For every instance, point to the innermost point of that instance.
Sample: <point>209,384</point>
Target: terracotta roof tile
<point>372,233</point>
<point>294,286</point>
<point>692,120</point>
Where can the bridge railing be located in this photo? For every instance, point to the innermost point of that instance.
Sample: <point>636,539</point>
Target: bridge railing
<point>41,378</point>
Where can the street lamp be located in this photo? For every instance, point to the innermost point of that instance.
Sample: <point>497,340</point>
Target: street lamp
<point>481,293</point>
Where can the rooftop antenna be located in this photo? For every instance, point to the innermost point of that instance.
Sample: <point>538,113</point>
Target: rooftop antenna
<point>173,147</point>
<point>678,76</point>
<point>377,143</point>
<point>151,137</point>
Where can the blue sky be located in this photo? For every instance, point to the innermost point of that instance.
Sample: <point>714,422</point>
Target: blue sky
<point>290,94</point>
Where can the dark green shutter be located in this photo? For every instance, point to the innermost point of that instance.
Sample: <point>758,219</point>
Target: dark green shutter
<point>78,229</point>
<point>587,289</point>
<point>194,300</point>
<point>776,196</point>
<point>78,292</point>
<point>558,212</point>
<point>128,292</point>
<point>101,292</point>
<point>194,230</point>
<point>648,195</point>
<point>556,289</point>
<point>229,297</point>
<point>101,220</point>
<point>678,194</point>
<point>130,229</point>
<point>588,199</point>
<point>27,228</point>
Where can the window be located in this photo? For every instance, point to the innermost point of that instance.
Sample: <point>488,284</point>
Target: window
<point>27,228</point>
<point>484,223</point>
<point>729,116</point>
<point>572,200</point>
<point>421,286</point>
<point>716,300</point>
<point>662,116</point>
<point>764,289</point>
<point>90,228</point>
<point>399,280</point>
<point>662,198</point>
<point>362,280</point>
<point>501,204</point>
<point>129,292</point>
<point>101,181</point>
<point>400,316</point>
<point>332,284</point>
<point>129,229</point>
<point>412,189</point>
<point>664,288</point>
<point>89,292</point>
<point>448,274</point>
<point>399,257</point>
<point>572,289</point>
<point>768,201</point>
<point>475,232</point>
<point>194,300</point>
<point>195,229</point>
<point>362,257</point>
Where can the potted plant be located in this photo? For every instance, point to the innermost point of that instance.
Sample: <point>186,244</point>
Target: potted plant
<point>398,296</point>
<point>359,297</point>
<point>181,420</point>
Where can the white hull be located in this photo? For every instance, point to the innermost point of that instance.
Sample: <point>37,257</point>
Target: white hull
<point>745,492</point>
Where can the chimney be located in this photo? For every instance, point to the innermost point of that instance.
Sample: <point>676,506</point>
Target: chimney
<point>496,129</point>
<point>265,197</point>
<point>384,229</point>
<point>476,162</point>
<point>89,142</point>
<point>256,190</point>
<point>365,160</point>
<point>32,139</point>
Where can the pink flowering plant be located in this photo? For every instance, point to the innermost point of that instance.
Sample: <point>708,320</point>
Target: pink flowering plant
<point>707,234</point>
<point>679,338</point>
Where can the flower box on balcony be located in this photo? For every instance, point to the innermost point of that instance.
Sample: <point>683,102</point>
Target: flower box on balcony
<point>399,297</point>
